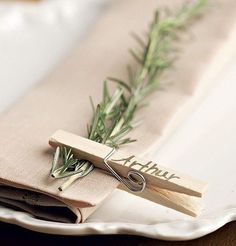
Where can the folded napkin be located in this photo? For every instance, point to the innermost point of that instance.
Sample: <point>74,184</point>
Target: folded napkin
<point>61,101</point>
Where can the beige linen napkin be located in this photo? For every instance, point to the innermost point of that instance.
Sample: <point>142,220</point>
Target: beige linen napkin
<point>61,101</point>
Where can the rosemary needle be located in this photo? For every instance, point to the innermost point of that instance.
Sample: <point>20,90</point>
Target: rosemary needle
<point>114,117</point>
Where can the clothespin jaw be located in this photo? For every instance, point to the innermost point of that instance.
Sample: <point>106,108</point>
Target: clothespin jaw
<point>147,179</point>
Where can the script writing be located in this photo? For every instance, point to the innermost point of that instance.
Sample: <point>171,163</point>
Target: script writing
<point>148,167</point>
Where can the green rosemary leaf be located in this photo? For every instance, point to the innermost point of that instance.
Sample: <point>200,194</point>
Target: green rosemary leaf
<point>55,159</point>
<point>113,101</point>
<point>130,75</point>
<point>114,117</point>
<point>109,131</point>
<point>95,122</point>
<point>123,132</point>
<point>139,40</point>
<point>58,175</point>
<point>137,57</point>
<point>124,101</point>
<point>64,153</point>
<point>106,94</point>
<point>125,141</point>
<point>92,104</point>
<point>120,82</point>
<point>86,168</point>
<point>67,164</point>
<point>88,129</point>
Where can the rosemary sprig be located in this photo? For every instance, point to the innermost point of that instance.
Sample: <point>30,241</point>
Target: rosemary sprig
<point>114,117</point>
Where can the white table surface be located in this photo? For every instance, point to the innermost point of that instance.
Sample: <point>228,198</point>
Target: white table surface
<point>204,145</point>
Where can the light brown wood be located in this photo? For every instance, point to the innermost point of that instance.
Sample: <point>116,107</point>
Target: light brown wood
<point>189,205</point>
<point>164,186</point>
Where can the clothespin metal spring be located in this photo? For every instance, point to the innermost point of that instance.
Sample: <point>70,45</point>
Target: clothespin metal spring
<point>135,181</point>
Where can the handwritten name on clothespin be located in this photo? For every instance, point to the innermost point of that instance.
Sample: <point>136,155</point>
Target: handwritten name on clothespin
<point>162,185</point>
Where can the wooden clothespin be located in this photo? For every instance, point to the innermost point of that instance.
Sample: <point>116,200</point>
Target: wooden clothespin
<point>144,178</point>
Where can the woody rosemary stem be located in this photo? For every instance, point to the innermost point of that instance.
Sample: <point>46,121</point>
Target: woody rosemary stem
<point>115,116</point>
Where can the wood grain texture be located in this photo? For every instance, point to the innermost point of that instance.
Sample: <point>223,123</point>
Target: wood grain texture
<point>13,235</point>
<point>123,162</point>
<point>177,194</point>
